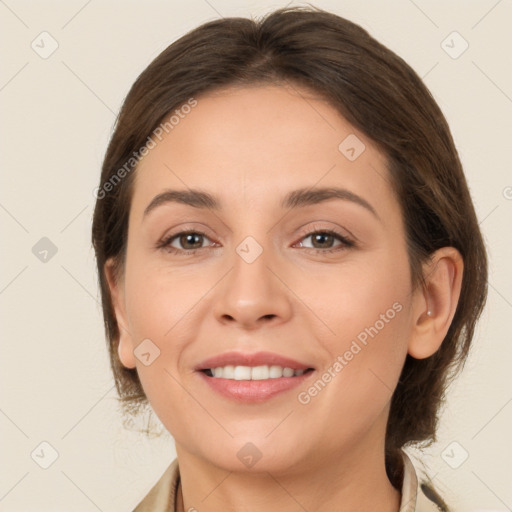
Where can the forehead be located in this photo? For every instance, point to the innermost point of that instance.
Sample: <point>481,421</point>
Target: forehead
<point>252,145</point>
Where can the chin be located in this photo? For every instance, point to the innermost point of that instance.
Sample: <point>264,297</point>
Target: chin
<point>251,454</point>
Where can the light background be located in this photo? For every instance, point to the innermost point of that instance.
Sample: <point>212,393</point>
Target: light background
<point>57,115</point>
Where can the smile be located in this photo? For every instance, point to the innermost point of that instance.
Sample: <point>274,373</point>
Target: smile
<point>263,372</point>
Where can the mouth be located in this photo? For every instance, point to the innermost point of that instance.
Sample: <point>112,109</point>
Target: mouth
<point>252,378</point>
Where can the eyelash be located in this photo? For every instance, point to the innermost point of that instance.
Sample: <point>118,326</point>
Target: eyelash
<point>165,244</point>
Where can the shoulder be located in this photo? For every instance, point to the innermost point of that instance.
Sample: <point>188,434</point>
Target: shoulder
<point>162,496</point>
<point>417,494</point>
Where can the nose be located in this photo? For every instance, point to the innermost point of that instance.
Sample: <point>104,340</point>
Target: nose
<point>253,294</point>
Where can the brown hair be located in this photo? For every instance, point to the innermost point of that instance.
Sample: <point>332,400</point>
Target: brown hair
<point>379,94</point>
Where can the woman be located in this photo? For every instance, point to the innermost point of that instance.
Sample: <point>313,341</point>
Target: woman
<point>290,264</point>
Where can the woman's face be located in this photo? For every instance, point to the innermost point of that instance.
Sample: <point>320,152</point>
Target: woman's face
<point>258,273</point>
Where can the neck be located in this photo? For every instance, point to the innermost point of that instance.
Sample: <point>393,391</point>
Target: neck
<point>353,481</point>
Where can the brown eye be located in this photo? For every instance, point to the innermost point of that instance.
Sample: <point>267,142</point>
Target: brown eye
<point>325,241</point>
<point>190,240</point>
<point>185,242</point>
<point>322,240</point>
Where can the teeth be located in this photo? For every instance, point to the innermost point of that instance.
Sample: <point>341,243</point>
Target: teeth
<point>254,372</point>
<point>259,373</point>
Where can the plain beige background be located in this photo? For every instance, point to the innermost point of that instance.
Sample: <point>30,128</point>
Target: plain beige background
<point>57,115</point>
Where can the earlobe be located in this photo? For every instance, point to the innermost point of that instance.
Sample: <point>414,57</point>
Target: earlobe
<point>435,304</point>
<point>125,342</point>
<point>125,350</point>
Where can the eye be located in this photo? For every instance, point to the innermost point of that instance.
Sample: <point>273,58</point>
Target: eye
<point>188,241</point>
<point>323,240</point>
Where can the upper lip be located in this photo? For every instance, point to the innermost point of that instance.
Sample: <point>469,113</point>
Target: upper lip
<point>251,359</point>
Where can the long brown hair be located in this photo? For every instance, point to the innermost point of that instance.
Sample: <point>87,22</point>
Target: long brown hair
<point>379,94</point>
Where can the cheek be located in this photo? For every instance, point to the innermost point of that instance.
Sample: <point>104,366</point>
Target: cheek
<point>367,315</point>
<point>159,298</point>
<point>161,306</point>
<point>157,306</point>
<point>357,294</point>
<point>153,307</point>
<point>367,356</point>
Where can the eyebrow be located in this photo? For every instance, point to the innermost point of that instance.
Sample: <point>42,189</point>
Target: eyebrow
<point>295,199</point>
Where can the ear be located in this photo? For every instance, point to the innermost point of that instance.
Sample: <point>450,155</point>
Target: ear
<point>117,294</point>
<point>434,304</point>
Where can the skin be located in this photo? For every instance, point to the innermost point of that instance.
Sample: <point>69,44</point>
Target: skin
<point>293,300</point>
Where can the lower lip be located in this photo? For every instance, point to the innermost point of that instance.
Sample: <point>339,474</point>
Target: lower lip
<point>253,391</point>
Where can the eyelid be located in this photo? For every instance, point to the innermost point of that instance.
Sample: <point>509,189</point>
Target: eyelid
<point>316,226</point>
<point>186,228</point>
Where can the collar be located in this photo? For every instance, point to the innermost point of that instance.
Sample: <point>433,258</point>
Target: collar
<point>162,497</point>
<point>414,498</point>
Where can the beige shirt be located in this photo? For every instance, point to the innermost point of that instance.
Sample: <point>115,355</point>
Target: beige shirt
<point>162,497</point>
